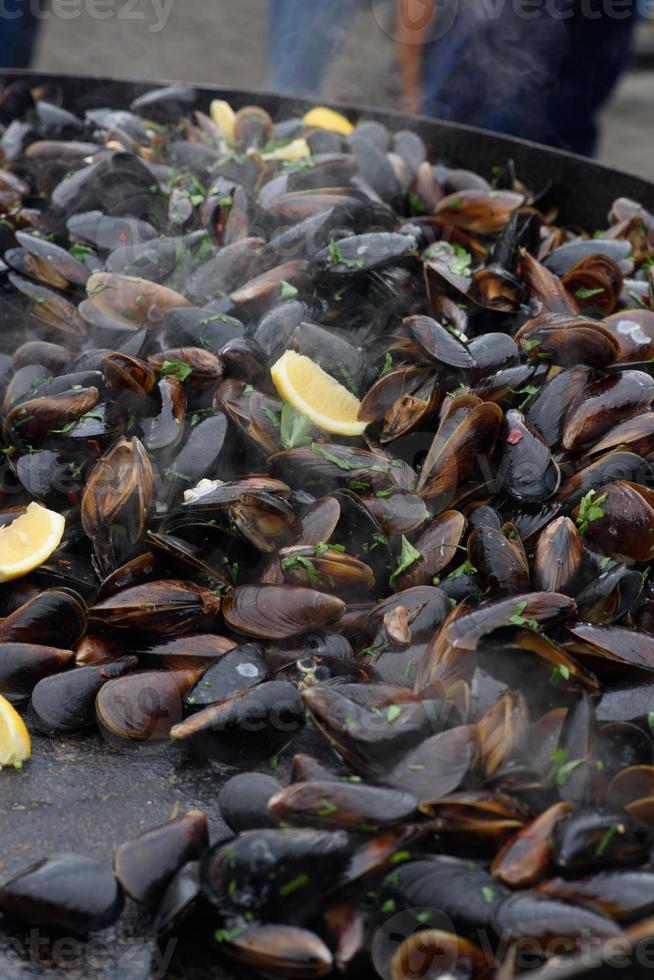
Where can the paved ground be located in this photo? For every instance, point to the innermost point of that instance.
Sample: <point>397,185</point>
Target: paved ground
<point>223,41</point>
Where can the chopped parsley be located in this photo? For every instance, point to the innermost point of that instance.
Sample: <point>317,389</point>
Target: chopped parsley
<point>327,808</point>
<point>560,673</point>
<point>288,290</point>
<point>467,568</point>
<point>590,509</point>
<point>178,369</point>
<point>408,556</point>
<point>293,886</point>
<point>343,464</point>
<point>295,428</point>
<point>271,416</point>
<point>297,561</point>
<point>517,619</point>
<point>609,834</point>
<point>388,364</point>
<point>336,258</point>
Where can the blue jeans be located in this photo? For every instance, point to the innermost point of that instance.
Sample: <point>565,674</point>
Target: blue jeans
<point>17,34</point>
<point>543,79</point>
<point>304,37</point>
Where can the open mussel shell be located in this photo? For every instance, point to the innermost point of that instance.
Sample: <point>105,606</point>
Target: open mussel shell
<point>247,727</point>
<point>168,607</point>
<point>237,670</point>
<point>558,557</point>
<point>466,436</point>
<point>35,419</point>
<point>55,617</point>
<point>589,840</point>
<point>128,301</point>
<point>278,951</point>
<point>437,544</point>
<point>548,409</point>
<point>438,954</point>
<point>603,403</point>
<point>371,741</point>
<point>327,570</point>
<point>144,706</point>
<point>498,558</point>
<point>460,895</point>
<point>398,512</point>
<point>277,611</point>
<point>67,892</point>
<point>539,918</point>
<point>144,568</point>
<point>439,765</point>
<point>327,649</point>
<point>437,343</point>
<point>190,650</point>
<point>568,341</point>
<point>23,665</point>
<point>146,865</point>
<point>279,875</point>
<point>611,467</point>
<point>117,501</point>
<point>183,906</point>
<point>541,607</point>
<point>354,806</point>
<point>621,894</point>
<point>65,703</point>
<point>625,526</point>
<point>526,858</point>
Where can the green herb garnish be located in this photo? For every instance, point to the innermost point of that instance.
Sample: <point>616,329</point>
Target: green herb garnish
<point>178,369</point>
<point>590,509</point>
<point>408,556</point>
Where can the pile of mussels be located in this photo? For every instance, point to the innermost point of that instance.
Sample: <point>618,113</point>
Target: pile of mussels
<point>440,633</point>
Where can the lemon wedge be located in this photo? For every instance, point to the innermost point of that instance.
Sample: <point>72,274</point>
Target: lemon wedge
<point>323,118</point>
<point>15,742</point>
<point>29,541</point>
<point>295,150</point>
<point>223,115</point>
<point>314,393</point>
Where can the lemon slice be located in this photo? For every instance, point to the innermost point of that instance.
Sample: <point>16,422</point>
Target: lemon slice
<point>223,115</point>
<point>15,742</point>
<point>29,541</point>
<point>314,393</point>
<point>323,118</point>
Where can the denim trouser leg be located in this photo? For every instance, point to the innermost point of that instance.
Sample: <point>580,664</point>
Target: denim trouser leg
<point>542,79</point>
<point>17,34</point>
<point>304,36</point>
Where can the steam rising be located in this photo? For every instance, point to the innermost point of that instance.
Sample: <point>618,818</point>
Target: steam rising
<point>484,70</point>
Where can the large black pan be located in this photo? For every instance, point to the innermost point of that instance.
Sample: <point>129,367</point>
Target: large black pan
<point>84,795</point>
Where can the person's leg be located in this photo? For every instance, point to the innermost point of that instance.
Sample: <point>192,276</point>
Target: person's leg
<point>599,51</point>
<point>304,38</point>
<point>17,34</point>
<point>542,79</point>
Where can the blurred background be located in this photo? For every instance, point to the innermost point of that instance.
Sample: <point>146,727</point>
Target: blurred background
<point>225,41</point>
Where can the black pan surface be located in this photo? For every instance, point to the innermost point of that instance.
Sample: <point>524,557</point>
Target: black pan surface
<point>83,794</point>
